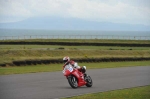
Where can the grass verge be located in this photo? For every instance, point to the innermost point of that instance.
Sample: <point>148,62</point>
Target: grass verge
<point>131,93</point>
<point>58,67</point>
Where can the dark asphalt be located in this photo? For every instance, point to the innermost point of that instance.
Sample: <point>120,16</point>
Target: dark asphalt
<point>52,85</point>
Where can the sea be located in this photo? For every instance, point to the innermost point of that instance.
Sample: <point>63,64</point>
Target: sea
<point>72,34</point>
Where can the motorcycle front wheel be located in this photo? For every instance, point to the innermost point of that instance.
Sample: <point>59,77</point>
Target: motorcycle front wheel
<point>89,81</point>
<point>73,81</point>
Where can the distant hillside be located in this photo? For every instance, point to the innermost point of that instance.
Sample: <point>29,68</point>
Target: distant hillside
<point>71,24</point>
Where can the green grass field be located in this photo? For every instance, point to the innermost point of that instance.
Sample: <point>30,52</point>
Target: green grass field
<point>9,53</point>
<point>82,40</point>
<point>131,93</point>
<point>58,67</point>
<point>52,47</point>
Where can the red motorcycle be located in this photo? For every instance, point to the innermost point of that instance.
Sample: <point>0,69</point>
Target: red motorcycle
<point>76,78</point>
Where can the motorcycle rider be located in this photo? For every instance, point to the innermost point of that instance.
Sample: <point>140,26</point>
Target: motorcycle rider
<point>74,64</point>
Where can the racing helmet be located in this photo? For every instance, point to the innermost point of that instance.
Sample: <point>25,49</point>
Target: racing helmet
<point>66,59</point>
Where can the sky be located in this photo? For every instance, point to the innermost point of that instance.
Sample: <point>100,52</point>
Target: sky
<point>116,11</point>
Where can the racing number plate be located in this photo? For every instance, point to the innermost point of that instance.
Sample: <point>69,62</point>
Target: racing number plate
<point>70,69</point>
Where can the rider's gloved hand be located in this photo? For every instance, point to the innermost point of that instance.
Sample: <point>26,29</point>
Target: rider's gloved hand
<point>83,69</point>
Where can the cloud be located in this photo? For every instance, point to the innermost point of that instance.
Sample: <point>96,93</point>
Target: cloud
<point>117,11</point>
<point>13,8</point>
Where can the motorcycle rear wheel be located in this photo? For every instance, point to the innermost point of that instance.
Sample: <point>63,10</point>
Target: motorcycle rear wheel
<point>73,81</point>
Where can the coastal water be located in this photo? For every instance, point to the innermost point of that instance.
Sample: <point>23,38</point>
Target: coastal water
<point>25,33</point>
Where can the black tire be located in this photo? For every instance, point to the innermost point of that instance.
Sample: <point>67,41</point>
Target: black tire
<point>73,81</point>
<point>89,81</point>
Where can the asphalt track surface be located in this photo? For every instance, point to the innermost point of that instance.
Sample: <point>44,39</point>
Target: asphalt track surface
<point>51,85</point>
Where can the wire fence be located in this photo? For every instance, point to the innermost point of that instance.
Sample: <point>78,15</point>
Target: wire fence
<point>24,37</point>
